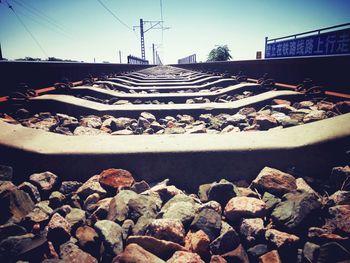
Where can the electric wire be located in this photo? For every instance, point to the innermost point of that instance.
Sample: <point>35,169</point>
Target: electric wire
<point>114,15</point>
<point>27,29</point>
<point>40,14</point>
<point>42,24</point>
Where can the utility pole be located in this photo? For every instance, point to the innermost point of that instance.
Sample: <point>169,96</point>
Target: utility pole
<point>120,57</point>
<point>153,54</point>
<point>1,58</point>
<point>152,25</point>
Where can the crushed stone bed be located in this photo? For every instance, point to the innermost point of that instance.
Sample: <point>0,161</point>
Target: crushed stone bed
<point>281,114</point>
<point>113,217</point>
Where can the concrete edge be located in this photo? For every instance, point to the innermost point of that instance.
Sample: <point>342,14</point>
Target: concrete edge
<point>41,141</point>
<point>111,93</point>
<point>170,87</point>
<point>69,104</point>
<point>162,83</point>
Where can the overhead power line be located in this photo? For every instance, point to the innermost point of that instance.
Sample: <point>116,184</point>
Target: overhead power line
<point>27,29</point>
<point>39,14</point>
<point>42,24</point>
<point>114,15</point>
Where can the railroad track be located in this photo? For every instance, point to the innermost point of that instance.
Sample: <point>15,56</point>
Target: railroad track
<point>248,168</point>
<point>201,125</point>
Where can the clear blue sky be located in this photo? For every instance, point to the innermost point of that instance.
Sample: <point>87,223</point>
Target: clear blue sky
<point>84,30</point>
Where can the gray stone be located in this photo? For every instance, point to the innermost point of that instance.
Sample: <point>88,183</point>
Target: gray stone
<point>68,187</point>
<point>40,213</point>
<point>111,235</point>
<point>30,189</point>
<point>13,247</point>
<point>76,217</point>
<point>341,198</point>
<point>148,116</point>
<point>56,199</point>
<point>270,200</point>
<point>90,201</point>
<point>91,186</point>
<point>311,251</point>
<point>333,252</point>
<point>180,207</point>
<point>58,229</point>
<point>174,130</point>
<point>127,227</point>
<point>295,209</point>
<point>14,204</point>
<point>87,131</point>
<point>6,173</point>
<point>11,229</point>
<point>91,122</point>
<point>212,205</point>
<point>209,221</point>
<point>45,181</point>
<point>221,192</point>
<point>315,115</point>
<point>142,204</point>
<point>118,207</point>
<point>258,250</point>
<point>203,192</point>
<point>252,229</point>
<point>226,241</point>
<point>167,229</point>
<point>123,132</point>
<point>339,177</point>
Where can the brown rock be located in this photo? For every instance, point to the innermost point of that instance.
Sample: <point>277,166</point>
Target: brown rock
<point>252,228</point>
<point>14,204</point>
<point>70,252</point>
<point>343,107</point>
<point>237,255</point>
<point>340,219</point>
<point>281,239</point>
<point>167,229</point>
<point>160,248</point>
<point>198,242</point>
<point>6,186</point>
<point>243,206</point>
<point>116,178</point>
<point>185,257</point>
<point>265,121</point>
<point>281,102</point>
<point>45,181</point>
<point>133,253</point>
<point>58,229</point>
<point>91,186</point>
<point>86,236</point>
<point>270,257</point>
<point>217,259</point>
<point>274,181</point>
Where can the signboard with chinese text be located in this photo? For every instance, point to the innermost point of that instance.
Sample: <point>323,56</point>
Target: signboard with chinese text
<point>330,43</point>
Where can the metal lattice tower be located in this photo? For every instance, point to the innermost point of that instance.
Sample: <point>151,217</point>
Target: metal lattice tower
<point>152,25</point>
<point>142,34</point>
